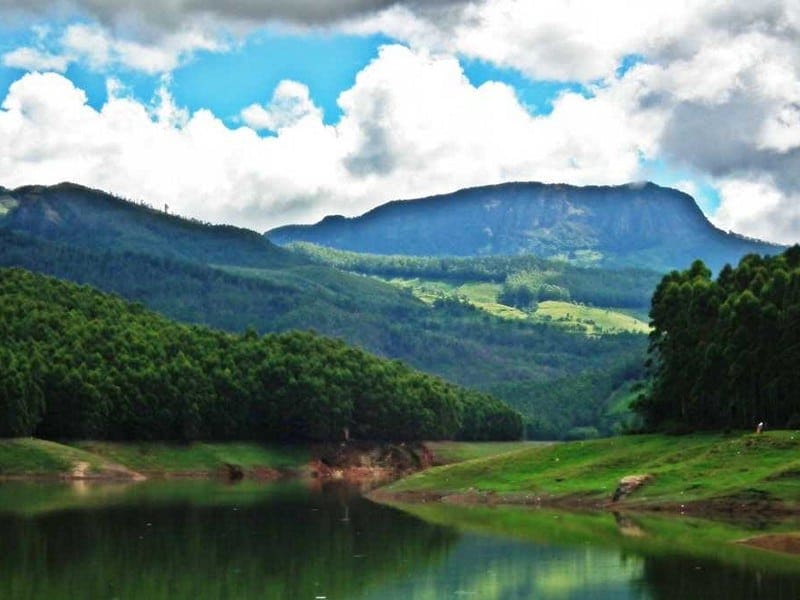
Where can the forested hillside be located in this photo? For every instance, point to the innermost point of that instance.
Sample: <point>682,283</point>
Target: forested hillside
<point>232,279</point>
<point>634,225</point>
<point>78,363</point>
<point>510,359</point>
<point>89,218</point>
<point>725,351</point>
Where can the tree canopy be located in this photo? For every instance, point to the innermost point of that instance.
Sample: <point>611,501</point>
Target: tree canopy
<point>724,352</point>
<point>78,363</point>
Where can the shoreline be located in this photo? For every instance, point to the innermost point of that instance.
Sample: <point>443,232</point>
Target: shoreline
<point>716,508</point>
<point>359,463</point>
<point>707,474</point>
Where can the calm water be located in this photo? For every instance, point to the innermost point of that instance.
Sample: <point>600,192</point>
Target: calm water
<point>201,539</point>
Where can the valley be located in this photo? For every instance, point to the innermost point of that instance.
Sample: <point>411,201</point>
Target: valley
<point>237,280</point>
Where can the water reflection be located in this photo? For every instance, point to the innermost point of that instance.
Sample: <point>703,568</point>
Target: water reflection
<point>491,568</point>
<point>202,539</point>
<point>289,543</point>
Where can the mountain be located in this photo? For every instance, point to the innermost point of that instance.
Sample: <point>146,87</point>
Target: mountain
<point>91,218</point>
<point>233,279</point>
<point>634,225</point>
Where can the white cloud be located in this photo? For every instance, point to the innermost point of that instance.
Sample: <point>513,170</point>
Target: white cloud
<point>412,125</point>
<point>760,209</point>
<point>32,59</point>
<point>567,40</point>
<point>100,49</point>
<point>87,42</point>
<point>291,103</point>
<point>687,186</point>
<point>194,163</point>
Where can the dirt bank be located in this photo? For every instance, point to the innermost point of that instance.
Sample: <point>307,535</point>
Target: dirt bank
<point>368,463</point>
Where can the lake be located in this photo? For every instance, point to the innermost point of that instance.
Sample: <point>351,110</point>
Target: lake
<point>208,539</point>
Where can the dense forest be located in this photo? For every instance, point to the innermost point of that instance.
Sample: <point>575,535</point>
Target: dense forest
<point>724,352</point>
<point>593,403</point>
<point>78,363</point>
<point>513,360</point>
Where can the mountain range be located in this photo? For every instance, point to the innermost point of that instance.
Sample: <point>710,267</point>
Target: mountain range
<point>634,225</point>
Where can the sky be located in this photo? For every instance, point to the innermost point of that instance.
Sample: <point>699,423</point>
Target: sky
<point>261,113</point>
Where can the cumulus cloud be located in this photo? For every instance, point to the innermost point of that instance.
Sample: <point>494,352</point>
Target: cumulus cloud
<point>414,118</point>
<point>570,40</point>
<point>760,209</point>
<point>412,125</point>
<point>100,50</point>
<point>192,162</point>
<point>290,104</point>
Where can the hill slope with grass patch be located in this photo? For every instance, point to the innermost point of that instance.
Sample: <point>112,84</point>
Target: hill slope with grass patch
<point>731,472</point>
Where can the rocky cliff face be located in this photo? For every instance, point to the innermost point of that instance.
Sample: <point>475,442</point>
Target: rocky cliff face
<point>640,225</point>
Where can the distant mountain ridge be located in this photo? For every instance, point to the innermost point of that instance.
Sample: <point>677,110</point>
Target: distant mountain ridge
<point>81,216</point>
<point>639,225</point>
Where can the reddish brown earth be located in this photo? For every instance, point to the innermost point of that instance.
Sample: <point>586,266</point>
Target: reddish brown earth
<point>787,543</point>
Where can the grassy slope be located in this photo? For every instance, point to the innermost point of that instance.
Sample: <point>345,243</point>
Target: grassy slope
<point>454,452</point>
<point>28,456</point>
<point>589,319</point>
<point>691,468</point>
<point>199,457</point>
<point>592,320</point>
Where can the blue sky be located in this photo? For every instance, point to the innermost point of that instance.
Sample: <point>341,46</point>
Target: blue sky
<point>359,105</point>
<point>226,82</point>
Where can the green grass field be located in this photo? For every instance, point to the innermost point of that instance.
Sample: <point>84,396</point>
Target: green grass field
<point>685,469</point>
<point>197,457</point>
<point>592,320</point>
<point>454,452</point>
<point>23,457</point>
<point>587,319</point>
<point>29,456</point>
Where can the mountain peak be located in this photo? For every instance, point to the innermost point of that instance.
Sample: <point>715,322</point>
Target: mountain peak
<point>635,224</point>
